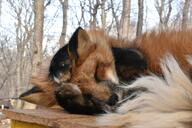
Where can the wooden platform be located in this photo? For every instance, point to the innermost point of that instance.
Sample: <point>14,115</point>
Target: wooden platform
<point>44,118</point>
<point>2,117</point>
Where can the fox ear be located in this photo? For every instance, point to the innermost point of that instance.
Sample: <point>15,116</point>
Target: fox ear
<point>80,45</point>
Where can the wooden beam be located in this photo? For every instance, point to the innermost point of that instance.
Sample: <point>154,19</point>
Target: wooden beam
<point>53,118</point>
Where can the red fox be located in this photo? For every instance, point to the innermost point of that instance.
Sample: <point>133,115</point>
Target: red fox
<point>78,63</point>
<point>84,66</point>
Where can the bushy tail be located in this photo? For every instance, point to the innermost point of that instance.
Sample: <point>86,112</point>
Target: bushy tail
<point>166,104</point>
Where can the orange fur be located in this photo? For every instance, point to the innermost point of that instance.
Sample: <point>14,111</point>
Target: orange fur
<point>155,45</point>
<point>46,97</point>
<point>95,58</point>
<point>98,62</point>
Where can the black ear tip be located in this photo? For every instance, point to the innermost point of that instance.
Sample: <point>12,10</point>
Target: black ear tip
<point>79,28</point>
<point>33,90</point>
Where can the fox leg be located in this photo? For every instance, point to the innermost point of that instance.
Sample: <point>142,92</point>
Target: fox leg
<point>70,97</point>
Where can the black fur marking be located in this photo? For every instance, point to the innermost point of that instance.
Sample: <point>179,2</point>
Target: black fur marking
<point>129,63</point>
<point>31,91</point>
<point>56,63</point>
<point>70,104</point>
<point>61,62</point>
<point>113,99</point>
<point>129,57</point>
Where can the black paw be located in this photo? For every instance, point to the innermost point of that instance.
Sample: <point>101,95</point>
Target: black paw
<point>70,97</point>
<point>113,99</point>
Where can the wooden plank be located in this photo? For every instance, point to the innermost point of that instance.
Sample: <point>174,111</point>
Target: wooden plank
<point>2,117</point>
<point>53,118</point>
<point>20,124</point>
<point>80,123</point>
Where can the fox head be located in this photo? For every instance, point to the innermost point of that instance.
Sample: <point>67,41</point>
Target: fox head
<point>85,61</point>
<point>66,57</point>
<point>81,45</point>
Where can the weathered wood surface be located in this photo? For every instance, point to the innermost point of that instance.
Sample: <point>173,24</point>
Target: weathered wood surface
<point>53,118</point>
<point>2,117</point>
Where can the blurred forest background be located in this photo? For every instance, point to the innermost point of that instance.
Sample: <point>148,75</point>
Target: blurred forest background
<point>31,31</point>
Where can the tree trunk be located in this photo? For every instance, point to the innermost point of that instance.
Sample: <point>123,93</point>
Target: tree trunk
<point>64,5</point>
<point>125,19</point>
<point>38,35</point>
<point>93,10</point>
<point>160,9</point>
<point>103,14</point>
<point>185,14</point>
<point>163,15</point>
<point>0,9</point>
<point>167,17</point>
<point>140,18</point>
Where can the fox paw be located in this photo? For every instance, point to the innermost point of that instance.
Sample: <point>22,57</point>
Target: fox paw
<point>70,97</point>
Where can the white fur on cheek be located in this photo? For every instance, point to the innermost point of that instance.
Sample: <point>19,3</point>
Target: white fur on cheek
<point>76,88</point>
<point>56,80</point>
<point>112,76</point>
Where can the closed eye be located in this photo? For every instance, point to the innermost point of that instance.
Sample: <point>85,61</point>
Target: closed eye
<point>104,65</point>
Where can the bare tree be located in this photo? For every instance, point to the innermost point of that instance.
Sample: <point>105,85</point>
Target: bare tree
<point>0,9</point>
<point>22,15</point>
<point>140,18</point>
<point>23,32</point>
<point>64,4</point>
<point>164,15</point>
<point>185,14</point>
<point>38,35</point>
<point>7,68</point>
<point>115,16</point>
<point>125,19</point>
<point>122,20</point>
<point>93,10</point>
<point>81,20</point>
<point>103,14</point>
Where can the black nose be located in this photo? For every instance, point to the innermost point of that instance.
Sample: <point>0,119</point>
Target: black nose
<point>113,99</point>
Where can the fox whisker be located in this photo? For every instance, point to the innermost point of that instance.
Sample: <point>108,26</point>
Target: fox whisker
<point>123,83</point>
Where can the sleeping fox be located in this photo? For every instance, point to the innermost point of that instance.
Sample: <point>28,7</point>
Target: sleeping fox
<point>81,70</point>
<point>92,71</point>
<point>132,58</point>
